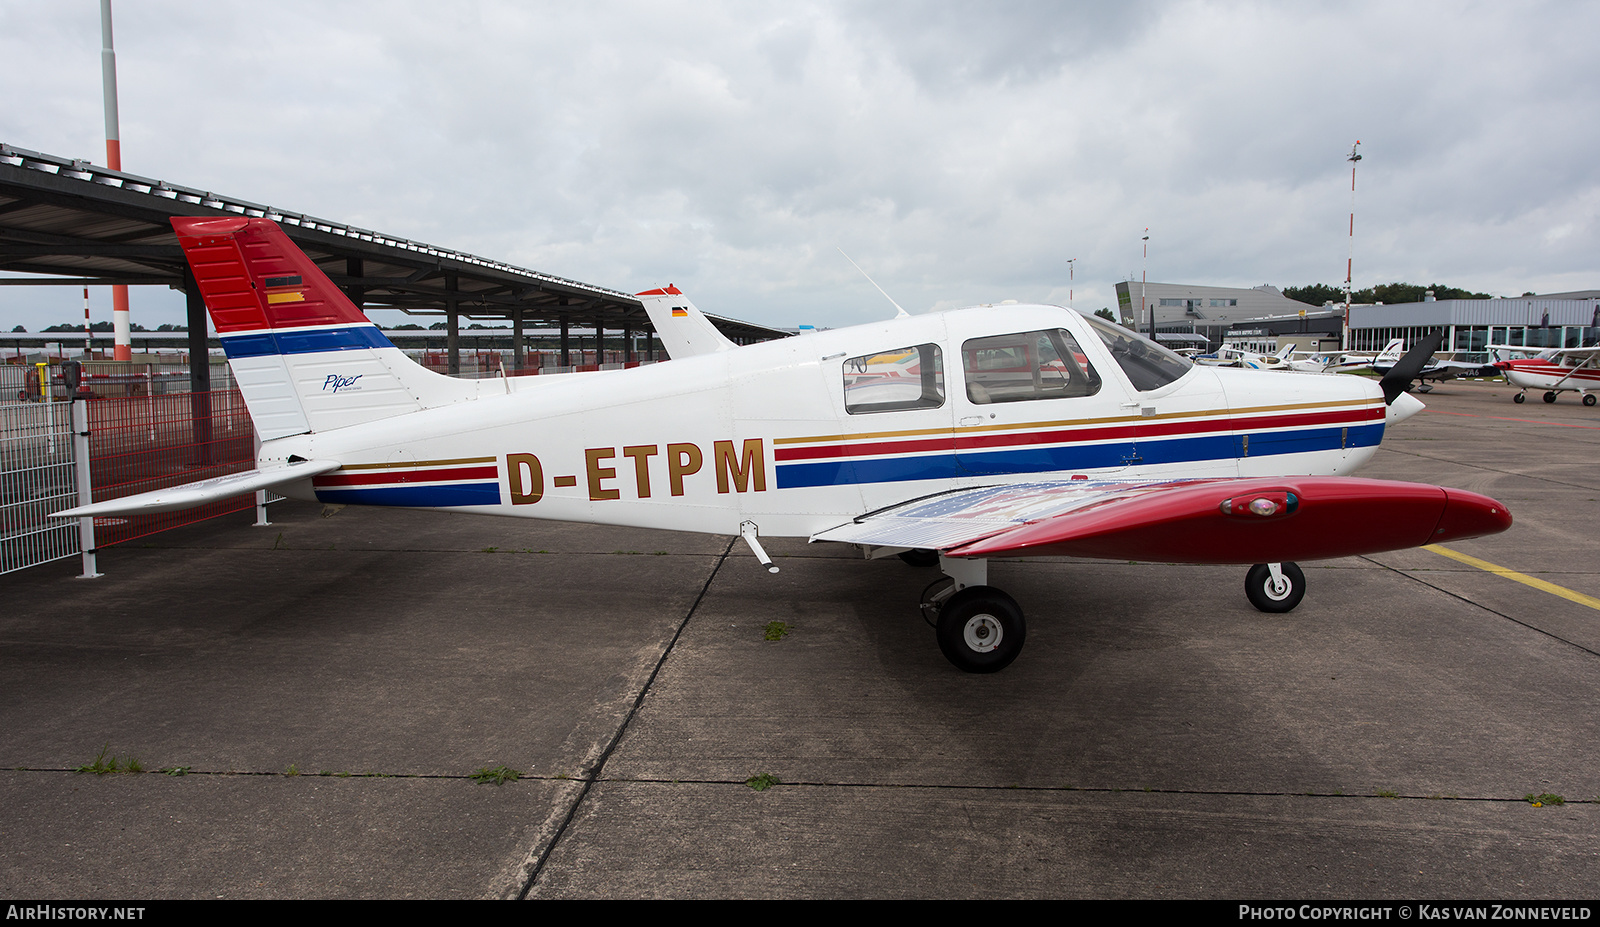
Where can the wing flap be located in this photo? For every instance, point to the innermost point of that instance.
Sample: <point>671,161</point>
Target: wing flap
<point>1192,521</point>
<point>190,495</point>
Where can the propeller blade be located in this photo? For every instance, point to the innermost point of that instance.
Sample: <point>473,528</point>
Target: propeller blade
<point>1399,377</point>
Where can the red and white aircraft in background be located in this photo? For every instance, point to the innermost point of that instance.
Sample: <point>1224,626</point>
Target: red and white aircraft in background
<point>1554,370</point>
<point>949,438</point>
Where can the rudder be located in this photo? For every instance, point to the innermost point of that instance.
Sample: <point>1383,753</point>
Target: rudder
<point>305,357</point>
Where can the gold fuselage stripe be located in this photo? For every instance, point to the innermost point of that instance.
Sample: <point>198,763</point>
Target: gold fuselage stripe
<point>413,464</point>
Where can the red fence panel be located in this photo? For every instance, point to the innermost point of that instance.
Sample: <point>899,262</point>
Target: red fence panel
<point>141,443</point>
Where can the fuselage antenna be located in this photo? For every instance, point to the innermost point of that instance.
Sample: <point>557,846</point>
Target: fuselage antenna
<point>899,312</point>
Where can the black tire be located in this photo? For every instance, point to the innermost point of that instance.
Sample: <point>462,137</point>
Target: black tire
<point>1258,588</point>
<point>981,630</point>
<point>920,557</point>
<point>1519,399</point>
<point>1588,399</point>
<point>1550,396</point>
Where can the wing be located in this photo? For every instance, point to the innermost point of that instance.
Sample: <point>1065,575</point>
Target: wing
<point>199,493</point>
<point>1186,521</point>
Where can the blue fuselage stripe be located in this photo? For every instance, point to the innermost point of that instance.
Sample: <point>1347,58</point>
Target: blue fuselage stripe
<point>416,496</point>
<point>312,341</point>
<point>1076,457</point>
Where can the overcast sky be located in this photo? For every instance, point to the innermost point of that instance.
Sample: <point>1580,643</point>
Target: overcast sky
<point>960,153</point>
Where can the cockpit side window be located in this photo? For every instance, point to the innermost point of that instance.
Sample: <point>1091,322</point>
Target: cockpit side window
<point>1148,365</point>
<point>891,381</point>
<point>1027,365</point>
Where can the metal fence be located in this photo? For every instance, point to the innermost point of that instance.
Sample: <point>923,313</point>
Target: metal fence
<point>36,478</point>
<point>142,443</point>
<point>136,444</point>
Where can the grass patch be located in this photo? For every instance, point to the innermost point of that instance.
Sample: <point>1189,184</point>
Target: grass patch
<point>499,775</point>
<point>1386,793</point>
<point>104,764</point>
<point>1542,799</point>
<point>775,631</point>
<point>762,782</point>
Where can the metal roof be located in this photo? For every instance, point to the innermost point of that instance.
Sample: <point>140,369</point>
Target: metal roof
<point>77,222</point>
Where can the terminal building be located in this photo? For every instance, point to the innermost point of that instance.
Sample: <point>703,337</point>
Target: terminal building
<point>1261,318</point>
<point>1206,317</point>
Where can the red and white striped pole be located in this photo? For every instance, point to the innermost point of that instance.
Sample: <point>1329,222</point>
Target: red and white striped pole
<point>1349,263</point>
<point>122,344</point>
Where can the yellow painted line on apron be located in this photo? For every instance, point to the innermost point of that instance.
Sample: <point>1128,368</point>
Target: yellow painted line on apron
<point>1523,578</point>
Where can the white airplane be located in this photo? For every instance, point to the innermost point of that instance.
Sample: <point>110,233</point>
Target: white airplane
<point>1554,370</point>
<point>1437,370</point>
<point>1286,358</point>
<point>950,438</point>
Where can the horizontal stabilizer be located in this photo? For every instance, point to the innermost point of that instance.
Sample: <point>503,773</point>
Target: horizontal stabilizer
<point>190,495</point>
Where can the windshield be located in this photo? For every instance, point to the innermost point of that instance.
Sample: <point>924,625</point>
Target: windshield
<point>1148,365</point>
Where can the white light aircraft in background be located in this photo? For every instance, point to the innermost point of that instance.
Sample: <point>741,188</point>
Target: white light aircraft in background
<point>1285,358</point>
<point>1554,370</point>
<point>949,437</point>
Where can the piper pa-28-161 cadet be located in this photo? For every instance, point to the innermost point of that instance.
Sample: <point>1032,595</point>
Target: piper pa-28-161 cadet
<point>950,437</point>
<point>1554,370</point>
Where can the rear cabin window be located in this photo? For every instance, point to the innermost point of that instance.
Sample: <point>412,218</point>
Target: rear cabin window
<point>892,381</point>
<point>1027,365</point>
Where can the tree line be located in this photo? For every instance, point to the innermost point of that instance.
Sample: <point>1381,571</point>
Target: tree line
<point>1318,294</point>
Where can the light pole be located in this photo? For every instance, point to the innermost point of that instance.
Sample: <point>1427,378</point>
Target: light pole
<point>1143,267</point>
<point>1355,155</point>
<point>121,343</point>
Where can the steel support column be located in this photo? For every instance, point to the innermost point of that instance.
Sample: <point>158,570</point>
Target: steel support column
<point>355,269</point>
<point>452,336</point>
<point>566,321</point>
<point>199,368</point>
<point>516,338</point>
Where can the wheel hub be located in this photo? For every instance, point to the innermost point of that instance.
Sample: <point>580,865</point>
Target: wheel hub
<point>982,633</point>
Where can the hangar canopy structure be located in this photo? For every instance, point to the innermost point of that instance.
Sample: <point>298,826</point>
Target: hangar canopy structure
<point>70,222</point>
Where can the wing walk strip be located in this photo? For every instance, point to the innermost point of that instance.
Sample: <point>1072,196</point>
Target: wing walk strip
<point>1523,578</point>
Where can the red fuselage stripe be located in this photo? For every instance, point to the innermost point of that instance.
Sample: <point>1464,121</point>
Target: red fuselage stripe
<point>408,476</point>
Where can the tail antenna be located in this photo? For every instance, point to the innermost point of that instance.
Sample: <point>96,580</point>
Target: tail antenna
<point>899,312</point>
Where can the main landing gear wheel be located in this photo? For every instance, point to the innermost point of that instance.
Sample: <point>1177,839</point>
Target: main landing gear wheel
<point>981,629</point>
<point>1550,396</point>
<point>1519,399</point>
<point>1588,399</point>
<point>1270,594</point>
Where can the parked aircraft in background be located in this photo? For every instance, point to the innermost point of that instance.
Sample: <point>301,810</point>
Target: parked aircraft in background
<point>1433,369</point>
<point>1554,370</point>
<point>1285,358</point>
<point>949,437</point>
